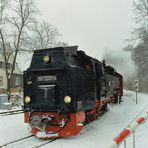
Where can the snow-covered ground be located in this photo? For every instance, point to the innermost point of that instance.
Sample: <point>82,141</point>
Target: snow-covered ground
<point>98,134</point>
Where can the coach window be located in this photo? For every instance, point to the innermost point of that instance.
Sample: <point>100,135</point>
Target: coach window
<point>1,81</point>
<point>17,80</point>
<point>109,83</point>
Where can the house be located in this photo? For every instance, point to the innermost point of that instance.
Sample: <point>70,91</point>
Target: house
<point>17,78</point>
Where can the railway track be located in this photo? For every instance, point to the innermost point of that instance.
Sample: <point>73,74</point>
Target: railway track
<point>8,144</point>
<point>42,144</point>
<point>14,141</point>
<point>12,112</point>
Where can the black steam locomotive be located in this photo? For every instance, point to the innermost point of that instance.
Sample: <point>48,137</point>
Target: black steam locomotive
<point>64,89</point>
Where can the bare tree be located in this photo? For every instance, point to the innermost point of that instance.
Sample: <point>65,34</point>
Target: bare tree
<point>24,32</point>
<point>3,51</point>
<point>3,6</point>
<point>140,34</point>
<point>24,11</point>
<point>141,9</point>
<point>44,35</point>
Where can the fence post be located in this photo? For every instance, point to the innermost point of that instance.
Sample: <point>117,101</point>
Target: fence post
<point>134,140</point>
<point>125,143</point>
<point>136,97</point>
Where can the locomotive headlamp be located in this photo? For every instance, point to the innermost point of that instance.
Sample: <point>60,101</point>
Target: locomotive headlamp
<point>67,99</point>
<point>46,58</point>
<point>27,99</point>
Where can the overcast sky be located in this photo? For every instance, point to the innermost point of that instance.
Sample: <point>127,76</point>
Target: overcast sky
<point>91,24</point>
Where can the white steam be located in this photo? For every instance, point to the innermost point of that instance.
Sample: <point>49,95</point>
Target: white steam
<point>122,61</point>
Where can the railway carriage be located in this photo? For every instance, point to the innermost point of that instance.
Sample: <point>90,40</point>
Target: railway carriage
<point>64,89</point>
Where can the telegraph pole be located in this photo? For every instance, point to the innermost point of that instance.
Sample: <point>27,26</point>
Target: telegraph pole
<point>136,90</point>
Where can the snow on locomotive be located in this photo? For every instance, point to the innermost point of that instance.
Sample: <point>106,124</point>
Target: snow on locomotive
<point>64,89</point>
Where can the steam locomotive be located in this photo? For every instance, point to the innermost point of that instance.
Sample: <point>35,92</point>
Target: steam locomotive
<point>64,89</point>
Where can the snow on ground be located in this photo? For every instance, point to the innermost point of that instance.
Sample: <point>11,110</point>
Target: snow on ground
<point>98,134</point>
<point>13,108</point>
<point>12,127</point>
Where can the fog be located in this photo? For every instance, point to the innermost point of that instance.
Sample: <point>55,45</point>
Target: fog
<point>91,24</point>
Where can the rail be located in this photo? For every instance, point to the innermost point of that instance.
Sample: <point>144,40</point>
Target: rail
<point>11,112</point>
<point>27,137</point>
<point>14,141</point>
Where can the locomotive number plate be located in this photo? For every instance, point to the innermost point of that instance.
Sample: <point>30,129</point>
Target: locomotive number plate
<point>47,78</point>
